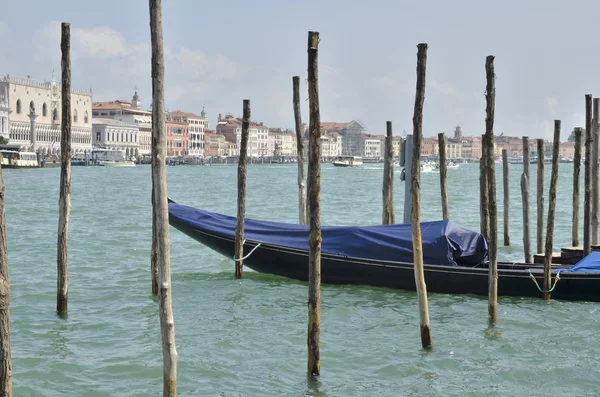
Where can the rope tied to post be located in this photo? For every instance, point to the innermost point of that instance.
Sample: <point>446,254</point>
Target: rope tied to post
<point>249,253</point>
<point>556,280</point>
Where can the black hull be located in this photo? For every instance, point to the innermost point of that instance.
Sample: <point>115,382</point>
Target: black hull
<point>513,280</point>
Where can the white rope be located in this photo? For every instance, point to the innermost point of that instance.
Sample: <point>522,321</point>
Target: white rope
<point>250,253</point>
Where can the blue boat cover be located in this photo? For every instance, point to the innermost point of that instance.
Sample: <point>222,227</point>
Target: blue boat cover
<point>588,264</point>
<point>444,242</point>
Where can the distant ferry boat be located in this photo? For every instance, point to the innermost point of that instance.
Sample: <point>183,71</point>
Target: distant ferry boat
<point>348,161</point>
<point>18,159</point>
<point>109,158</point>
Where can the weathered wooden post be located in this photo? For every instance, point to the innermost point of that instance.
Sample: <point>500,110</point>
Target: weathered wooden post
<point>490,97</point>
<point>551,211</point>
<point>64,206</point>
<point>154,250</point>
<point>314,198</point>
<point>576,172</point>
<point>525,191</point>
<point>594,176</point>
<point>484,210</point>
<point>241,212</point>
<point>587,199</point>
<point>300,153</point>
<point>540,196</point>
<point>443,175</point>
<point>506,191</point>
<point>408,178</point>
<point>5,356</point>
<point>388,177</point>
<point>161,205</point>
<point>421,287</point>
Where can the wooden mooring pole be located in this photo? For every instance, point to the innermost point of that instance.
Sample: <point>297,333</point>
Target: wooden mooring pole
<point>64,206</point>
<point>490,96</point>
<point>241,212</point>
<point>388,177</point>
<point>540,196</point>
<point>314,198</point>
<point>443,175</point>
<point>300,151</point>
<point>576,189</point>
<point>154,250</point>
<point>421,287</point>
<point>5,356</point>
<point>551,211</point>
<point>484,210</point>
<point>161,205</point>
<point>587,197</point>
<point>525,191</point>
<point>506,191</point>
<point>594,176</point>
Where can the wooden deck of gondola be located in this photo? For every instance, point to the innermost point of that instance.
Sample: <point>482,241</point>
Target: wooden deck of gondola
<point>566,256</point>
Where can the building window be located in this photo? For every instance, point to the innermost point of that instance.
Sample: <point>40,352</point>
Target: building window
<point>75,116</point>
<point>18,106</point>
<point>85,117</point>
<point>44,110</point>
<point>55,115</point>
<point>97,136</point>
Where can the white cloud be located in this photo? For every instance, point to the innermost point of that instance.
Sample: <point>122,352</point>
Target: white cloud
<point>444,89</point>
<point>551,104</point>
<point>112,65</point>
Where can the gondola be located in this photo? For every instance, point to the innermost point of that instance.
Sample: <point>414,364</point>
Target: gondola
<point>456,259</point>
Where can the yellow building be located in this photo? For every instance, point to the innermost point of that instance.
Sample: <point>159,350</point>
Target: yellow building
<point>567,150</point>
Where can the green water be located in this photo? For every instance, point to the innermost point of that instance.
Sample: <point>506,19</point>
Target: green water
<point>248,337</point>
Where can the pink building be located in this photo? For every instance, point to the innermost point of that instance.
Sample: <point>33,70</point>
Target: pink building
<point>177,138</point>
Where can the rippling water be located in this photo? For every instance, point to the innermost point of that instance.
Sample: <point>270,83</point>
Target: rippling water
<point>248,337</point>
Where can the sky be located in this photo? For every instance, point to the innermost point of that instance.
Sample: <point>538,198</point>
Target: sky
<point>221,52</point>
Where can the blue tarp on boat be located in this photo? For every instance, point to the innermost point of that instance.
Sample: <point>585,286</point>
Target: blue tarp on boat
<point>444,242</point>
<point>589,264</point>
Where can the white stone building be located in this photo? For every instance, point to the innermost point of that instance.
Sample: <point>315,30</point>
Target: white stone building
<point>196,126</point>
<point>144,124</point>
<point>282,143</point>
<point>114,134</point>
<point>35,115</point>
<point>258,135</point>
<point>373,147</point>
<point>331,145</point>
<point>4,112</point>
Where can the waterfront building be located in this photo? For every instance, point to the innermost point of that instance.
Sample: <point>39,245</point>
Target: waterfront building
<point>331,146</point>
<point>144,124</point>
<point>4,112</point>
<point>282,142</point>
<point>34,115</point>
<point>114,134</point>
<point>129,112</point>
<point>120,107</point>
<point>396,144</point>
<point>177,138</point>
<point>373,146</point>
<point>196,126</point>
<point>353,134</point>
<point>567,150</point>
<point>258,135</point>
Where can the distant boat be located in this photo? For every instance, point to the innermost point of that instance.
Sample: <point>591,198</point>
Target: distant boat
<point>19,159</point>
<point>427,167</point>
<point>111,163</point>
<point>109,158</point>
<point>348,161</point>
